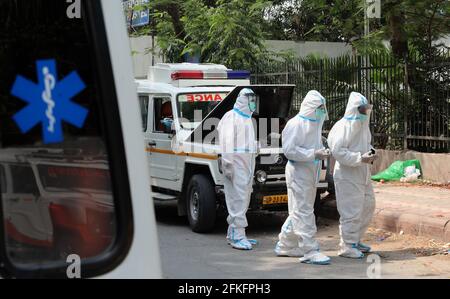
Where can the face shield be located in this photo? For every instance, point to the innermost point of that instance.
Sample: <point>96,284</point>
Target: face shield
<point>252,101</point>
<point>365,111</point>
<point>322,112</point>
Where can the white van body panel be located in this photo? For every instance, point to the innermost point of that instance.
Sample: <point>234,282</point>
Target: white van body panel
<point>143,259</point>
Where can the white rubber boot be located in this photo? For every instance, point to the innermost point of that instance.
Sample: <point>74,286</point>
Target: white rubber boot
<point>351,251</point>
<point>288,252</point>
<point>242,244</point>
<point>315,258</point>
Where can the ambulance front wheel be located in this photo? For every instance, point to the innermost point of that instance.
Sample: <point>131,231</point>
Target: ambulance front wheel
<point>201,204</point>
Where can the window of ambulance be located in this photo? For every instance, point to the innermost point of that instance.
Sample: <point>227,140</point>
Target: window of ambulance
<point>64,191</point>
<point>194,107</point>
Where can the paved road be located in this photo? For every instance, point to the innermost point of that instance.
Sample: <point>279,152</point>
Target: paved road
<point>186,255</point>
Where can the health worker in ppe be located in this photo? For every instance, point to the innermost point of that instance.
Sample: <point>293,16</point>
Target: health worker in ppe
<point>350,144</point>
<point>302,145</point>
<point>238,148</point>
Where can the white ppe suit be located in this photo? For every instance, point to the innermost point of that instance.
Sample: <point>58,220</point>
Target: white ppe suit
<point>349,140</point>
<point>238,148</point>
<point>302,137</point>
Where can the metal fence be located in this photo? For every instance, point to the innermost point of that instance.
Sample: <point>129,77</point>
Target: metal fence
<point>411,100</point>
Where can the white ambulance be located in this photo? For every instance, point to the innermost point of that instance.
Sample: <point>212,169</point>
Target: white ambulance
<point>181,105</point>
<point>75,200</point>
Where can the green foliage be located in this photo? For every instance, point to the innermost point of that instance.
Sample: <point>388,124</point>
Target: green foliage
<point>316,20</point>
<point>232,32</point>
<point>235,37</point>
<point>404,23</point>
<point>220,31</point>
<point>408,26</point>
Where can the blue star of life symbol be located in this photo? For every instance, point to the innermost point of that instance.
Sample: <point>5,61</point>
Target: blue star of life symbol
<point>49,102</point>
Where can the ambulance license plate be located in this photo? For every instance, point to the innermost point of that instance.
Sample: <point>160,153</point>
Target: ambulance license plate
<point>275,200</point>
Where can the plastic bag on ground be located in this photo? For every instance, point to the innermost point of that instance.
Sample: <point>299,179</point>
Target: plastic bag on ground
<point>396,171</point>
<point>411,174</point>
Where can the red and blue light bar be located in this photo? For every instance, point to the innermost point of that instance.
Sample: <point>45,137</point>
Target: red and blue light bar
<point>203,75</point>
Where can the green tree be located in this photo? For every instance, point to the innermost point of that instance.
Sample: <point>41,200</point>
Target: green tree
<point>409,26</point>
<point>220,31</point>
<point>316,20</point>
<point>235,37</point>
<point>405,24</point>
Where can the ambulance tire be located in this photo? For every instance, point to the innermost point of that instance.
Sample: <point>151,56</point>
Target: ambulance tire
<point>201,204</point>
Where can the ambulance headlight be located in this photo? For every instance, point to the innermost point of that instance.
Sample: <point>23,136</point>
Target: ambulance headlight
<point>261,176</point>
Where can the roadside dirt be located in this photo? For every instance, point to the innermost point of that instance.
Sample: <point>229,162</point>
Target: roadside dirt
<point>418,183</point>
<point>419,246</point>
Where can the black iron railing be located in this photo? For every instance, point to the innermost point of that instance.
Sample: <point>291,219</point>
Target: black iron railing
<point>411,97</point>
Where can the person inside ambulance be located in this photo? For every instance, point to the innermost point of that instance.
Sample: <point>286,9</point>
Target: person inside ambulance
<point>350,144</point>
<point>238,148</point>
<point>166,118</point>
<point>302,145</point>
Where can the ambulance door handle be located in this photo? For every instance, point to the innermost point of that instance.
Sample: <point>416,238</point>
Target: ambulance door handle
<point>152,144</point>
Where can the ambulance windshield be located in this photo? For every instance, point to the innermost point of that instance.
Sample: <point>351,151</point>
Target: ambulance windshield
<point>195,107</point>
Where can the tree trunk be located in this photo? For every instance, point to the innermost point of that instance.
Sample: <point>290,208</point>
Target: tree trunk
<point>174,12</point>
<point>399,40</point>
